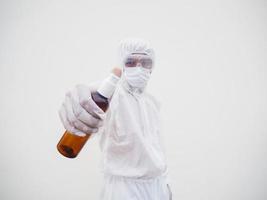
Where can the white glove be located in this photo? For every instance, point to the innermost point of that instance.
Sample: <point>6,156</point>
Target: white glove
<point>79,113</point>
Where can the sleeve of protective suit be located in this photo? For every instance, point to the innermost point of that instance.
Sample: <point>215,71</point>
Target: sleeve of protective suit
<point>159,106</point>
<point>79,113</point>
<point>168,179</point>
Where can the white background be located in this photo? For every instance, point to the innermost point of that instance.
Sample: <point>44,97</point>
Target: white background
<point>210,75</point>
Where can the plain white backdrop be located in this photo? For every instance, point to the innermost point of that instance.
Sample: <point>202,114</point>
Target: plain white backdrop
<point>210,76</point>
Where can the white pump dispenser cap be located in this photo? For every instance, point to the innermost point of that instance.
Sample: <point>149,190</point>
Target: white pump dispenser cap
<point>108,86</point>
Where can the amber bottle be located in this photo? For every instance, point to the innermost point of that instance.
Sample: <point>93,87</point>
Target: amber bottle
<point>71,144</point>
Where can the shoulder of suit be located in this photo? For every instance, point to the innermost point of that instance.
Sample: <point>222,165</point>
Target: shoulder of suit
<point>117,97</point>
<point>155,100</point>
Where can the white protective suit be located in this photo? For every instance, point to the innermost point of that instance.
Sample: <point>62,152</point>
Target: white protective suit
<point>133,161</point>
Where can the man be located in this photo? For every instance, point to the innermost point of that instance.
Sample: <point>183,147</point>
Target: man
<point>133,161</point>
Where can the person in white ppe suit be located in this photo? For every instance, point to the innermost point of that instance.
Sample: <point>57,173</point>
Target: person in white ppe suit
<point>130,137</point>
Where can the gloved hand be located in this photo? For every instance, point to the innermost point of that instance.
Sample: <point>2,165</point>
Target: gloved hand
<point>79,113</point>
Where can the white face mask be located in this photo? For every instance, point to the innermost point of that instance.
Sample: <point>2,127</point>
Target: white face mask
<point>137,76</point>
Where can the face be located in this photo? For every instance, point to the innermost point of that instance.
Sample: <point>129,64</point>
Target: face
<point>139,60</point>
<point>137,69</point>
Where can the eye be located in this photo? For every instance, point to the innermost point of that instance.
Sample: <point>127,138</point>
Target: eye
<point>130,63</point>
<point>147,63</point>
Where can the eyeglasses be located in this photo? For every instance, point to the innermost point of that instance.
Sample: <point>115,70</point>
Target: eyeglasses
<point>144,60</point>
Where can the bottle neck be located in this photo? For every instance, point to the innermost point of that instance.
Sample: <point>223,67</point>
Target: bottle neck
<point>101,95</point>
